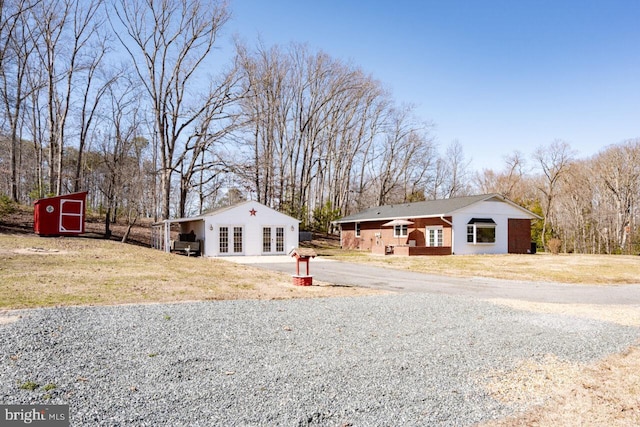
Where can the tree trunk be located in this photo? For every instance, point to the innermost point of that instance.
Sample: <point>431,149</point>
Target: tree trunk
<point>107,224</point>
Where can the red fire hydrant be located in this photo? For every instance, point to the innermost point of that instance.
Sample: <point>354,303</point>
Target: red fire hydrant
<point>302,255</point>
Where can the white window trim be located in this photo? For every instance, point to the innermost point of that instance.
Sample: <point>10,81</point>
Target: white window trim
<point>358,229</point>
<point>273,230</point>
<point>427,240</point>
<point>475,234</point>
<point>219,240</point>
<point>401,228</point>
<point>230,239</point>
<point>232,231</point>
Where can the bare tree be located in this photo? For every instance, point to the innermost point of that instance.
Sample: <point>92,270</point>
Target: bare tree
<point>456,172</point>
<point>266,111</point>
<point>121,152</point>
<point>325,137</point>
<point>92,89</point>
<point>405,141</point>
<point>509,182</point>
<point>66,30</point>
<point>169,42</point>
<point>574,211</point>
<point>554,161</point>
<point>617,172</point>
<point>36,130</point>
<point>309,121</point>
<point>214,124</point>
<point>16,48</point>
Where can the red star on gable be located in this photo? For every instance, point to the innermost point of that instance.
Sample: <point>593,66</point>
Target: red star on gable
<point>253,212</point>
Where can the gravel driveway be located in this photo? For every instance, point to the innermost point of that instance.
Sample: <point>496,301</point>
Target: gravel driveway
<point>406,359</point>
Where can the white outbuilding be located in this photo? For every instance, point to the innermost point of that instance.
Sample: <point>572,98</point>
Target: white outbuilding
<point>248,228</point>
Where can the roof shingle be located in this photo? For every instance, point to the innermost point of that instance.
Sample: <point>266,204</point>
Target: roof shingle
<point>429,208</point>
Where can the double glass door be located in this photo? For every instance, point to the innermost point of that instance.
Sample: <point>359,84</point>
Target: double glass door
<point>273,240</point>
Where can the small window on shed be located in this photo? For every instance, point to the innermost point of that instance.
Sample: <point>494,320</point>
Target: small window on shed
<point>357,229</point>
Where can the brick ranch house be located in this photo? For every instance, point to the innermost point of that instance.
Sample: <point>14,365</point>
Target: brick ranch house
<point>483,224</point>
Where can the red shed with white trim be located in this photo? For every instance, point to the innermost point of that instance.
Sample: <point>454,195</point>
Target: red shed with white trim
<point>60,216</point>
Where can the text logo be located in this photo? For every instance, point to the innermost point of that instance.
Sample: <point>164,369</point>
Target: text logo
<point>34,415</point>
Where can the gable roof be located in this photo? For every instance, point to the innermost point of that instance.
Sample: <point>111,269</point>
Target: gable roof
<point>219,210</point>
<point>426,209</point>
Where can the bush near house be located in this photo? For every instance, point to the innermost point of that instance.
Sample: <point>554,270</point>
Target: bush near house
<point>554,246</point>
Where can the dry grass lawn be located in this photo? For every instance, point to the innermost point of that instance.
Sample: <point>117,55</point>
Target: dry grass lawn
<point>42,272</point>
<point>589,269</point>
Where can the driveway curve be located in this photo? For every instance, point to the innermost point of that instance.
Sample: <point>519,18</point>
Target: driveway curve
<point>354,274</point>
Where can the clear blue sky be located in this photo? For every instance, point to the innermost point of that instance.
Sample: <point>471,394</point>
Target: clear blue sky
<point>498,76</point>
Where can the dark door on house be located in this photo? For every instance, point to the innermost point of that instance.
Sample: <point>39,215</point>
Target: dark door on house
<point>519,236</point>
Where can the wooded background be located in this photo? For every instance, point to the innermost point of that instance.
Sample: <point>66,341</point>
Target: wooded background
<point>129,101</point>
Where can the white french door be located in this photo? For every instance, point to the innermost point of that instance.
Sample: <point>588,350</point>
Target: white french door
<point>434,236</point>
<point>230,240</point>
<point>273,240</point>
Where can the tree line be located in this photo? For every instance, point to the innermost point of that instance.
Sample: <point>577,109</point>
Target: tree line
<point>129,101</point>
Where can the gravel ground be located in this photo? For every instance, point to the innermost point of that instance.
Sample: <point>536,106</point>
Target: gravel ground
<point>379,360</point>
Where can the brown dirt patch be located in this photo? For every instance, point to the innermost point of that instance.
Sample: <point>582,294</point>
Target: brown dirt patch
<point>562,393</point>
<point>605,393</point>
<point>39,251</point>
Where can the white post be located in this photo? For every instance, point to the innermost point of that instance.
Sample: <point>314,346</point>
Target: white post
<point>167,236</point>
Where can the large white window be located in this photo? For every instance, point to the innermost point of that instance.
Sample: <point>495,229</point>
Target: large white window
<point>400,230</point>
<point>434,236</point>
<point>481,231</point>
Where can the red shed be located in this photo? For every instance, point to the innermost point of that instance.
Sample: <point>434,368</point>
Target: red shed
<point>60,216</point>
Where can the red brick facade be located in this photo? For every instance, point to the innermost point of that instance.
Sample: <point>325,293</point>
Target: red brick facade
<point>379,239</point>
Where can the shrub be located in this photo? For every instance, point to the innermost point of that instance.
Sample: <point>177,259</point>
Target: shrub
<point>323,216</point>
<point>7,206</point>
<point>554,246</point>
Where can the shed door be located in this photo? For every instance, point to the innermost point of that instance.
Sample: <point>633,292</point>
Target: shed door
<point>71,215</point>
<point>231,240</point>
<point>273,240</point>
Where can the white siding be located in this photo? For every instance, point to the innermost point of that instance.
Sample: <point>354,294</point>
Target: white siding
<point>500,212</point>
<point>252,225</point>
